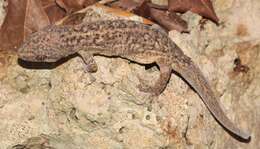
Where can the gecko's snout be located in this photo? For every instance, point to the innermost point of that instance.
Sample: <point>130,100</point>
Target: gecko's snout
<point>24,53</point>
<point>20,52</point>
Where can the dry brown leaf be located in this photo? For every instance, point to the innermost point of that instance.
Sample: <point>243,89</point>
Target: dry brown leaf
<point>11,27</point>
<point>23,17</point>
<point>170,21</point>
<point>47,2</point>
<point>143,9</point>
<point>128,5</point>
<point>53,11</point>
<point>74,5</point>
<point>156,6</point>
<point>146,9</point>
<point>140,8</point>
<point>201,7</point>
<point>73,19</point>
<point>35,17</point>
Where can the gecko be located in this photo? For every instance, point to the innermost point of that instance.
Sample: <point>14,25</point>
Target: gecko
<point>130,40</point>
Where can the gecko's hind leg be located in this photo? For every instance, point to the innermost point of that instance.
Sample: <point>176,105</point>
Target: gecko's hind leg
<point>160,84</point>
<point>91,65</point>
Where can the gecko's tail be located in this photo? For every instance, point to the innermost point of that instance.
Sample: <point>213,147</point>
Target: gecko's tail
<point>192,74</point>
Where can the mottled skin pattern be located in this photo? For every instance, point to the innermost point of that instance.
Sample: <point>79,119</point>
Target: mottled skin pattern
<point>127,39</point>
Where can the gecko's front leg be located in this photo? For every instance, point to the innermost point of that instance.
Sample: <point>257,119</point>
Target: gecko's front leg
<point>87,57</point>
<point>160,84</point>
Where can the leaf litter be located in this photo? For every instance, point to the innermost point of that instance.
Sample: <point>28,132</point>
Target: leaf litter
<point>27,16</point>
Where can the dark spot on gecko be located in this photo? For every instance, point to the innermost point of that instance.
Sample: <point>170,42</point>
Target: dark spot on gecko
<point>74,19</point>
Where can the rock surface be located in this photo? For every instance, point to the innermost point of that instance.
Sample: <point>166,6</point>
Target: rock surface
<point>64,107</point>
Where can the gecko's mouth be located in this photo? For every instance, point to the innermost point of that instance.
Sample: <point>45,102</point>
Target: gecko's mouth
<point>23,56</point>
<point>30,57</point>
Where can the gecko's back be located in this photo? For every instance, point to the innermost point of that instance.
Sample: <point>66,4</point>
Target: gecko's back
<point>120,37</point>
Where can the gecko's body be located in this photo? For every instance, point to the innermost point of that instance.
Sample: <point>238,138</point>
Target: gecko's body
<point>127,39</point>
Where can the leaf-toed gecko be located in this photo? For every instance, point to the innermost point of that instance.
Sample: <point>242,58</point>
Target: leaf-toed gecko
<point>126,39</point>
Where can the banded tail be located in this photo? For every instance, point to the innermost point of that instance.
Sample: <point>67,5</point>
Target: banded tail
<point>192,74</point>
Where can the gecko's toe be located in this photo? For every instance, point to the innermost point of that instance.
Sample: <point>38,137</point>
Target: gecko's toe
<point>143,87</point>
<point>91,68</point>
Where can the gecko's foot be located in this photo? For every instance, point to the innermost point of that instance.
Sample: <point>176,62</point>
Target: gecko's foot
<point>91,67</point>
<point>148,89</point>
<point>143,87</point>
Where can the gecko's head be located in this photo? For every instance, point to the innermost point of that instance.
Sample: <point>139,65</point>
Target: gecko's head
<point>43,46</point>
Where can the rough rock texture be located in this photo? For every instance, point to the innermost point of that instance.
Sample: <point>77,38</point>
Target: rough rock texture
<point>64,107</point>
